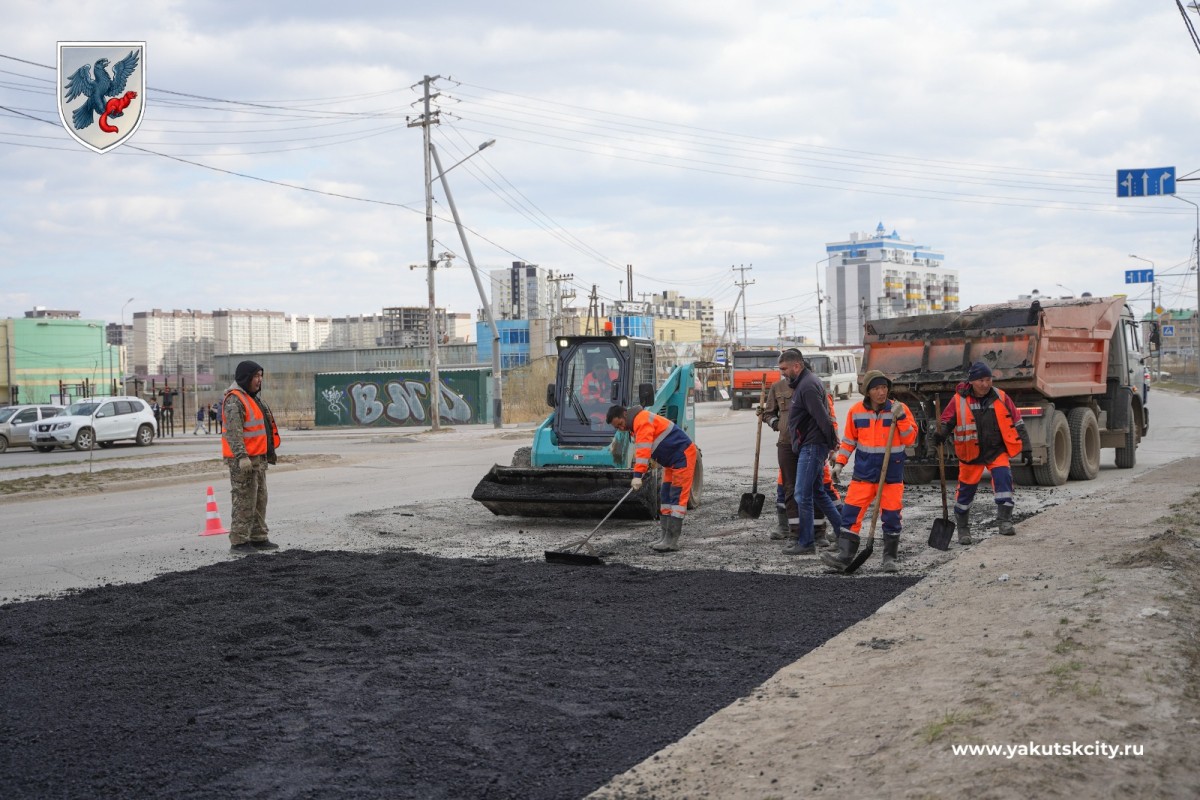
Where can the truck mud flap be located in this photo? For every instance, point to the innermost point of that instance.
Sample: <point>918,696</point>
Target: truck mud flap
<point>576,493</point>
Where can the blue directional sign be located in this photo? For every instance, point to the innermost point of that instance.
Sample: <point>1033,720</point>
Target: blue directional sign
<point>1139,276</point>
<point>1168,330</point>
<point>719,356</point>
<point>1145,182</point>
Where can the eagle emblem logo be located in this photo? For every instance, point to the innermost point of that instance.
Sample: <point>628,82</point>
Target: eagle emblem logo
<point>101,94</point>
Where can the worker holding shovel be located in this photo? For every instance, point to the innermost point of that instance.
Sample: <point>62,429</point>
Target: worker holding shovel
<point>876,432</point>
<point>988,430</point>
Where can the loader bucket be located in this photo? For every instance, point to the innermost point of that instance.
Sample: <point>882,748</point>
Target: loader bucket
<point>570,492</point>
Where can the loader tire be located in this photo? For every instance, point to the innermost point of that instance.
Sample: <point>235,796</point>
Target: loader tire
<point>697,482</point>
<point>1127,455</point>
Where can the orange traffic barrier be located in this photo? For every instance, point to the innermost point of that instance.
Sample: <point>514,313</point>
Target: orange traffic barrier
<point>212,523</point>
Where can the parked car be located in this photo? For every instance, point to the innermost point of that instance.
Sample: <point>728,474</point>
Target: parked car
<point>16,423</point>
<point>101,421</point>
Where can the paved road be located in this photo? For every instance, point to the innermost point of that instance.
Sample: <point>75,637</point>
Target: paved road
<point>54,544</point>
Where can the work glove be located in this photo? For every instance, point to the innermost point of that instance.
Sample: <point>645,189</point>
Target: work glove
<point>939,437</point>
<point>636,484</point>
<point>773,422</point>
<point>837,471</point>
<point>1027,457</point>
<point>615,449</point>
<point>899,415</point>
<point>244,463</point>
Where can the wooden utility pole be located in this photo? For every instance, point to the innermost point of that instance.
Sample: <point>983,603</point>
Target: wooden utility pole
<point>742,285</point>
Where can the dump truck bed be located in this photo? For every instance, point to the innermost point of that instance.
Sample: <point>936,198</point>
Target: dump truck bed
<point>1056,347</point>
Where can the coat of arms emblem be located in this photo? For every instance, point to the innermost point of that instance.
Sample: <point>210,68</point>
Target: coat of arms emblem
<point>101,91</point>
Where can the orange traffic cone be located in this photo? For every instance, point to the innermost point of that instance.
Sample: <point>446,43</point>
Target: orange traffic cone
<point>212,524</point>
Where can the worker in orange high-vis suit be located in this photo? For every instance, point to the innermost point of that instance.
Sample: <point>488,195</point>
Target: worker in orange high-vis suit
<point>868,426</point>
<point>988,431</point>
<point>656,437</point>
<point>248,443</point>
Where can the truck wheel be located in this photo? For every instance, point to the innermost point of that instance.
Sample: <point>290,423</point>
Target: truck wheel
<point>1023,475</point>
<point>736,403</point>
<point>1127,455</point>
<point>1058,467</point>
<point>1085,444</point>
<point>697,482</point>
<point>917,474</point>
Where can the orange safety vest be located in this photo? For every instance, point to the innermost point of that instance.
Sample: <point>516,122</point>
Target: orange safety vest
<point>254,427</point>
<point>966,435</point>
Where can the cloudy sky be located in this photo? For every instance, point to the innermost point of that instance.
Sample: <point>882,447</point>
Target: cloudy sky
<point>275,169</point>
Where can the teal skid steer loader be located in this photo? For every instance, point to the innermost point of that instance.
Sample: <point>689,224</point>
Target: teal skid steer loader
<point>573,468</point>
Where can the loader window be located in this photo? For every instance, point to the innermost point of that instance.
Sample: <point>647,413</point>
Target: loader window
<point>592,382</point>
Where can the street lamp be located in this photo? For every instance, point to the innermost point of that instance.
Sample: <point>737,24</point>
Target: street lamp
<point>817,270</point>
<point>122,365</point>
<point>1153,307</point>
<point>434,380</point>
<point>1069,290</point>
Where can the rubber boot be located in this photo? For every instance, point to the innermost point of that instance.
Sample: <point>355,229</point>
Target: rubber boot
<point>665,539</point>
<point>672,528</point>
<point>820,535</point>
<point>962,525</point>
<point>794,548</point>
<point>891,546</point>
<point>1004,517</point>
<point>781,528</point>
<point>847,549</point>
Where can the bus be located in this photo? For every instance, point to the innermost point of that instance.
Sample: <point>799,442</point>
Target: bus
<point>837,369</point>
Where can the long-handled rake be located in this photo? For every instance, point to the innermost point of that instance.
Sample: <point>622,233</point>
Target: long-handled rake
<point>570,553</point>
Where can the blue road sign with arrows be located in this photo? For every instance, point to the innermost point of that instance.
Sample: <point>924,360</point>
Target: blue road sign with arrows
<point>1146,182</point>
<point>1139,276</point>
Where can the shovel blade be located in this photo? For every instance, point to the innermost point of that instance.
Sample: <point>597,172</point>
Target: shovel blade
<point>575,559</point>
<point>751,505</point>
<point>861,558</point>
<point>941,533</point>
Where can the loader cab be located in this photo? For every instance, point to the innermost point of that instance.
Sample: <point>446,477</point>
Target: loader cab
<point>595,373</point>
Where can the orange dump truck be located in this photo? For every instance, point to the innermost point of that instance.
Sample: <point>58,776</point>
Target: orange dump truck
<point>749,367</point>
<point>1071,366</point>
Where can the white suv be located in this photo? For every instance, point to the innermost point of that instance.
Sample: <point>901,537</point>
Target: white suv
<point>101,420</point>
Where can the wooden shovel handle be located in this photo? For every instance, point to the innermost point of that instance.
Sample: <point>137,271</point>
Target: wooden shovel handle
<point>762,401</point>
<point>887,455</point>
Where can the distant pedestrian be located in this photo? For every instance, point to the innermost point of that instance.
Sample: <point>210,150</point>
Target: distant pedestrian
<point>200,415</point>
<point>1145,385</point>
<point>248,445</point>
<point>214,418</point>
<point>157,416</point>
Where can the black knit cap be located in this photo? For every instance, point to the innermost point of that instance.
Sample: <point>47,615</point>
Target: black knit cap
<point>244,372</point>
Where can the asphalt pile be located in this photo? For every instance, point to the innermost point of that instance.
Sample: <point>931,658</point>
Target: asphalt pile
<point>397,675</point>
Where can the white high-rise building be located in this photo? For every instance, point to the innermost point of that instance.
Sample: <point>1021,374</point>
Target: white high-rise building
<point>522,292</point>
<point>310,332</point>
<point>241,331</point>
<point>172,342</point>
<point>878,276</point>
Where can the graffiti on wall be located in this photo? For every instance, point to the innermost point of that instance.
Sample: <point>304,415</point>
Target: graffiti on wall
<point>381,399</point>
<point>400,402</point>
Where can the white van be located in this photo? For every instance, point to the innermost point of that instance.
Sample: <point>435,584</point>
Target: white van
<point>838,370</point>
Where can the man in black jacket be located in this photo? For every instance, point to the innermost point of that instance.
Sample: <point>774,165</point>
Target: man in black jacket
<point>810,430</point>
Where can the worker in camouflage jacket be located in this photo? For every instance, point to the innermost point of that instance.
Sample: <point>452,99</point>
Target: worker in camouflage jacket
<point>248,445</point>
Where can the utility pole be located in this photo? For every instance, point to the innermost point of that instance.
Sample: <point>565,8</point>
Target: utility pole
<point>426,119</point>
<point>629,282</point>
<point>558,327</point>
<point>742,285</point>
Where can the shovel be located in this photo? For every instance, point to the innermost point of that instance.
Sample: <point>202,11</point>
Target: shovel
<point>862,557</point>
<point>752,502</point>
<point>943,529</point>
<point>570,553</point>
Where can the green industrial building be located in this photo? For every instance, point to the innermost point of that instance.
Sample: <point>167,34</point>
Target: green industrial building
<point>46,359</point>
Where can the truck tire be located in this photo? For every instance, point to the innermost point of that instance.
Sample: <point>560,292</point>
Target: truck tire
<point>735,403</point>
<point>697,482</point>
<point>1055,471</point>
<point>1085,444</point>
<point>1023,475</point>
<point>1127,455</point>
<point>918,474</point>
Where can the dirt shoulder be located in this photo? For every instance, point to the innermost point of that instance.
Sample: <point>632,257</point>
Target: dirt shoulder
<point>1080,629</point>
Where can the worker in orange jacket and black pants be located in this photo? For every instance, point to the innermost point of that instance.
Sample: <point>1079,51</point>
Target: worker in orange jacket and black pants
<point>869,426</point>
<point>988,431</point>
<point>656,437</point>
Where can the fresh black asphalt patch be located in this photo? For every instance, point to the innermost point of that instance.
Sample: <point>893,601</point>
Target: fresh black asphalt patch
<point>343,675</point>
